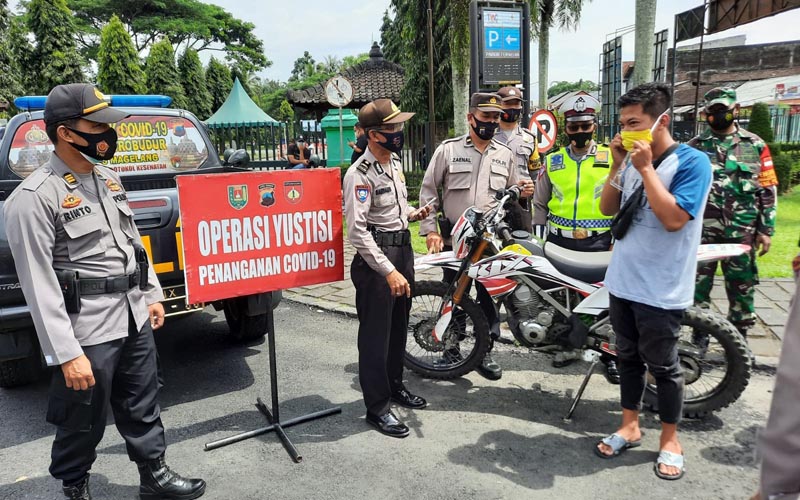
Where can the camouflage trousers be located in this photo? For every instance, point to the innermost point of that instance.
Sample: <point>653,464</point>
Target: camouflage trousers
<point>741,277</point>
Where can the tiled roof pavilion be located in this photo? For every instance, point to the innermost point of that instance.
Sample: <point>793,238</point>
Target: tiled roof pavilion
<point>375,78</point>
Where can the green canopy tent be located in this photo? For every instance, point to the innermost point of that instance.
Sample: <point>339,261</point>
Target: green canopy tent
<point>240,123</point>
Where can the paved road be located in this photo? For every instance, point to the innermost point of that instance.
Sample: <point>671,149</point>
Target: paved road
<point>478,439</point>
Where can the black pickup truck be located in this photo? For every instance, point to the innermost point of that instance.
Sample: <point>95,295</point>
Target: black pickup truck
<point>155,145</point>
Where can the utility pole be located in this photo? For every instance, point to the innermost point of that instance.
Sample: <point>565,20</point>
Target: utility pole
<point>431,117</point>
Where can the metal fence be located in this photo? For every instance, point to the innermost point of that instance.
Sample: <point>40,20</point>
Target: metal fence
<point>415,155</point>
<point>266,145</point>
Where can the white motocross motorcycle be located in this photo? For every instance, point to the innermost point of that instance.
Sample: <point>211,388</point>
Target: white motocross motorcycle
<point>556,303</point>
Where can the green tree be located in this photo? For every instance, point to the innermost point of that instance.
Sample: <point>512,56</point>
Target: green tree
<point>193,78</point>
<point>760,123</point>
<point>10,80</point>
<point>285,112</point>
<point>404,41</point>
<point>564,14</point>
<point>189,24</point>
<point>55,58</point>
<point>304,68</point>
<point>218,82</point>
<point>118,67</point>
<point>564,86</point>
<point>645,38</point>
<point>21,53</point>
<point>162,75</point>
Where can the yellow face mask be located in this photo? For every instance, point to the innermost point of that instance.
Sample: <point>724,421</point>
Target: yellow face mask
<point>631,136</point>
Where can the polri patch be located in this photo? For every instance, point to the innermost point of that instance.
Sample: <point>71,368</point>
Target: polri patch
<point>362,192</point>
<point>557,162</point>
<point>71,201</point>
<point>113,186</point>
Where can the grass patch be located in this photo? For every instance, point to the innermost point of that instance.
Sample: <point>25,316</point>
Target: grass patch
<point>778,262</point>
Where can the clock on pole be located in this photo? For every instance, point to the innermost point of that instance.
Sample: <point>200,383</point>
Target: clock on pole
<point>339,92</point>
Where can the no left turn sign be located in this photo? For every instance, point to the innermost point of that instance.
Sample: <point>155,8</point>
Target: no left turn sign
<point>544,125</point>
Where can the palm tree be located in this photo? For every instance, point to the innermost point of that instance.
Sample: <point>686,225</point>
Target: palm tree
<point>645,38</point>
<point>565,14</point>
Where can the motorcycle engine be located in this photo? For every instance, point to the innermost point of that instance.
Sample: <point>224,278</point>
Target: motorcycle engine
<point>535,317</point>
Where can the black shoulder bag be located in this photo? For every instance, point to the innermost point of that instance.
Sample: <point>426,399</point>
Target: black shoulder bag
<point>624,218</point>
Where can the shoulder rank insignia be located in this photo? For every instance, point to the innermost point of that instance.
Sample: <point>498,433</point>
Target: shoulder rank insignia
<point>363,167</point>
<point>71,201</point>
<point>362,192</point>
<point>113,186</point>
<point>70,179</point>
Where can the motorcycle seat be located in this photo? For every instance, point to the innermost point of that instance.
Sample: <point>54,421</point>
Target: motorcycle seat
<point>589,267</point>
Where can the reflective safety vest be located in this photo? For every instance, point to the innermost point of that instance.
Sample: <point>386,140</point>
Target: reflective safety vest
<point>576,189</point>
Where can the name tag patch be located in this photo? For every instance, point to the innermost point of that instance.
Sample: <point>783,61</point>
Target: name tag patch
<point>383,190</point>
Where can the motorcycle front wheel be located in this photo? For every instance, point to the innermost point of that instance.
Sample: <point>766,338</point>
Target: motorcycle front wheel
<point>715,361</point>
<point>463,344</point>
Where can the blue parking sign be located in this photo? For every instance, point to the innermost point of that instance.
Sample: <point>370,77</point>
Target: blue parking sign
<point>493,38</point>
<point>511,39</point>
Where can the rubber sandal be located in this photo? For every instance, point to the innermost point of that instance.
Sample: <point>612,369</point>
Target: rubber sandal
<point>617,443</point>
<point>670,459</point>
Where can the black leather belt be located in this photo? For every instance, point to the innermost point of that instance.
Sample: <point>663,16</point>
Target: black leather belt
<point>111,284</point>
<point>391,238</point>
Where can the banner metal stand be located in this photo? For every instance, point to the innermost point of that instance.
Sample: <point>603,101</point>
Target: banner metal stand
<point>273,416</point>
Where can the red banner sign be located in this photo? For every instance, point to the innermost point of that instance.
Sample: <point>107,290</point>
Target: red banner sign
<point>254,232</point>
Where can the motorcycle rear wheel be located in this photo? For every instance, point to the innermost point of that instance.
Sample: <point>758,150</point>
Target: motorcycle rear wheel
<point>715,376</point>
<point>463,345</point>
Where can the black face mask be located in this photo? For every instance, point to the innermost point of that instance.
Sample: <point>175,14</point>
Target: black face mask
<point>580,139</point>
<point>101,146</point>
<point>484,130</point>
<point>394,141</point>
<point>511,115</point>
<point>721,119</point>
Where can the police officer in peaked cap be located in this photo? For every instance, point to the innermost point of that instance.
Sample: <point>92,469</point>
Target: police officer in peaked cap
<point>566,204</point>
<point>93,297</point>
<point>377,213</point>
<point>470,170</point>
<point>522,143</point>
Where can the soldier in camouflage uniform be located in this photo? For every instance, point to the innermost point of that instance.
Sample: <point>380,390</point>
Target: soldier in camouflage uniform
<point>741,204</point>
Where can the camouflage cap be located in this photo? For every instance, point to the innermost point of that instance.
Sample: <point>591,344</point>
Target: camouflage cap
<point>720,95</point>
<point>486,101</point>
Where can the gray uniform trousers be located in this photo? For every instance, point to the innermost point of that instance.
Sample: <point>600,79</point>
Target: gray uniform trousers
<point>126,376</point>
<point>780,441</point>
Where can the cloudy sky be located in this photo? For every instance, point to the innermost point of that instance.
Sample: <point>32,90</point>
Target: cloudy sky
<point>347,27</point>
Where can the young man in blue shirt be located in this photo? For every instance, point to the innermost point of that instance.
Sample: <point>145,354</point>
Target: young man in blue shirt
<point>651,275</point>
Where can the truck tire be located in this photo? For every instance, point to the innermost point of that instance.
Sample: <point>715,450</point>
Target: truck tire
<point>18,372</point>
<point>243,327</point>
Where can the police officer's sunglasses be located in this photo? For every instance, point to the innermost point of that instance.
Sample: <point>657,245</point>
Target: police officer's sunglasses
<point>582,126</point>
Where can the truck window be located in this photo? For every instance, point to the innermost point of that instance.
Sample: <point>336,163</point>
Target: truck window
<point>146,145</point>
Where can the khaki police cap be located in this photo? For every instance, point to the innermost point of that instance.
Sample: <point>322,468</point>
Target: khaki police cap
<point>510,94</point>
<point>79,100</point>
<point>381,112</point>
<point>486,101</point>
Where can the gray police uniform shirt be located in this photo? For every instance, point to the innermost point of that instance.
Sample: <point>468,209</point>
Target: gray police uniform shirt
<point>521,142</point>
<point>467,178</point>
<point>375,196</point>
<point>55,220</point>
